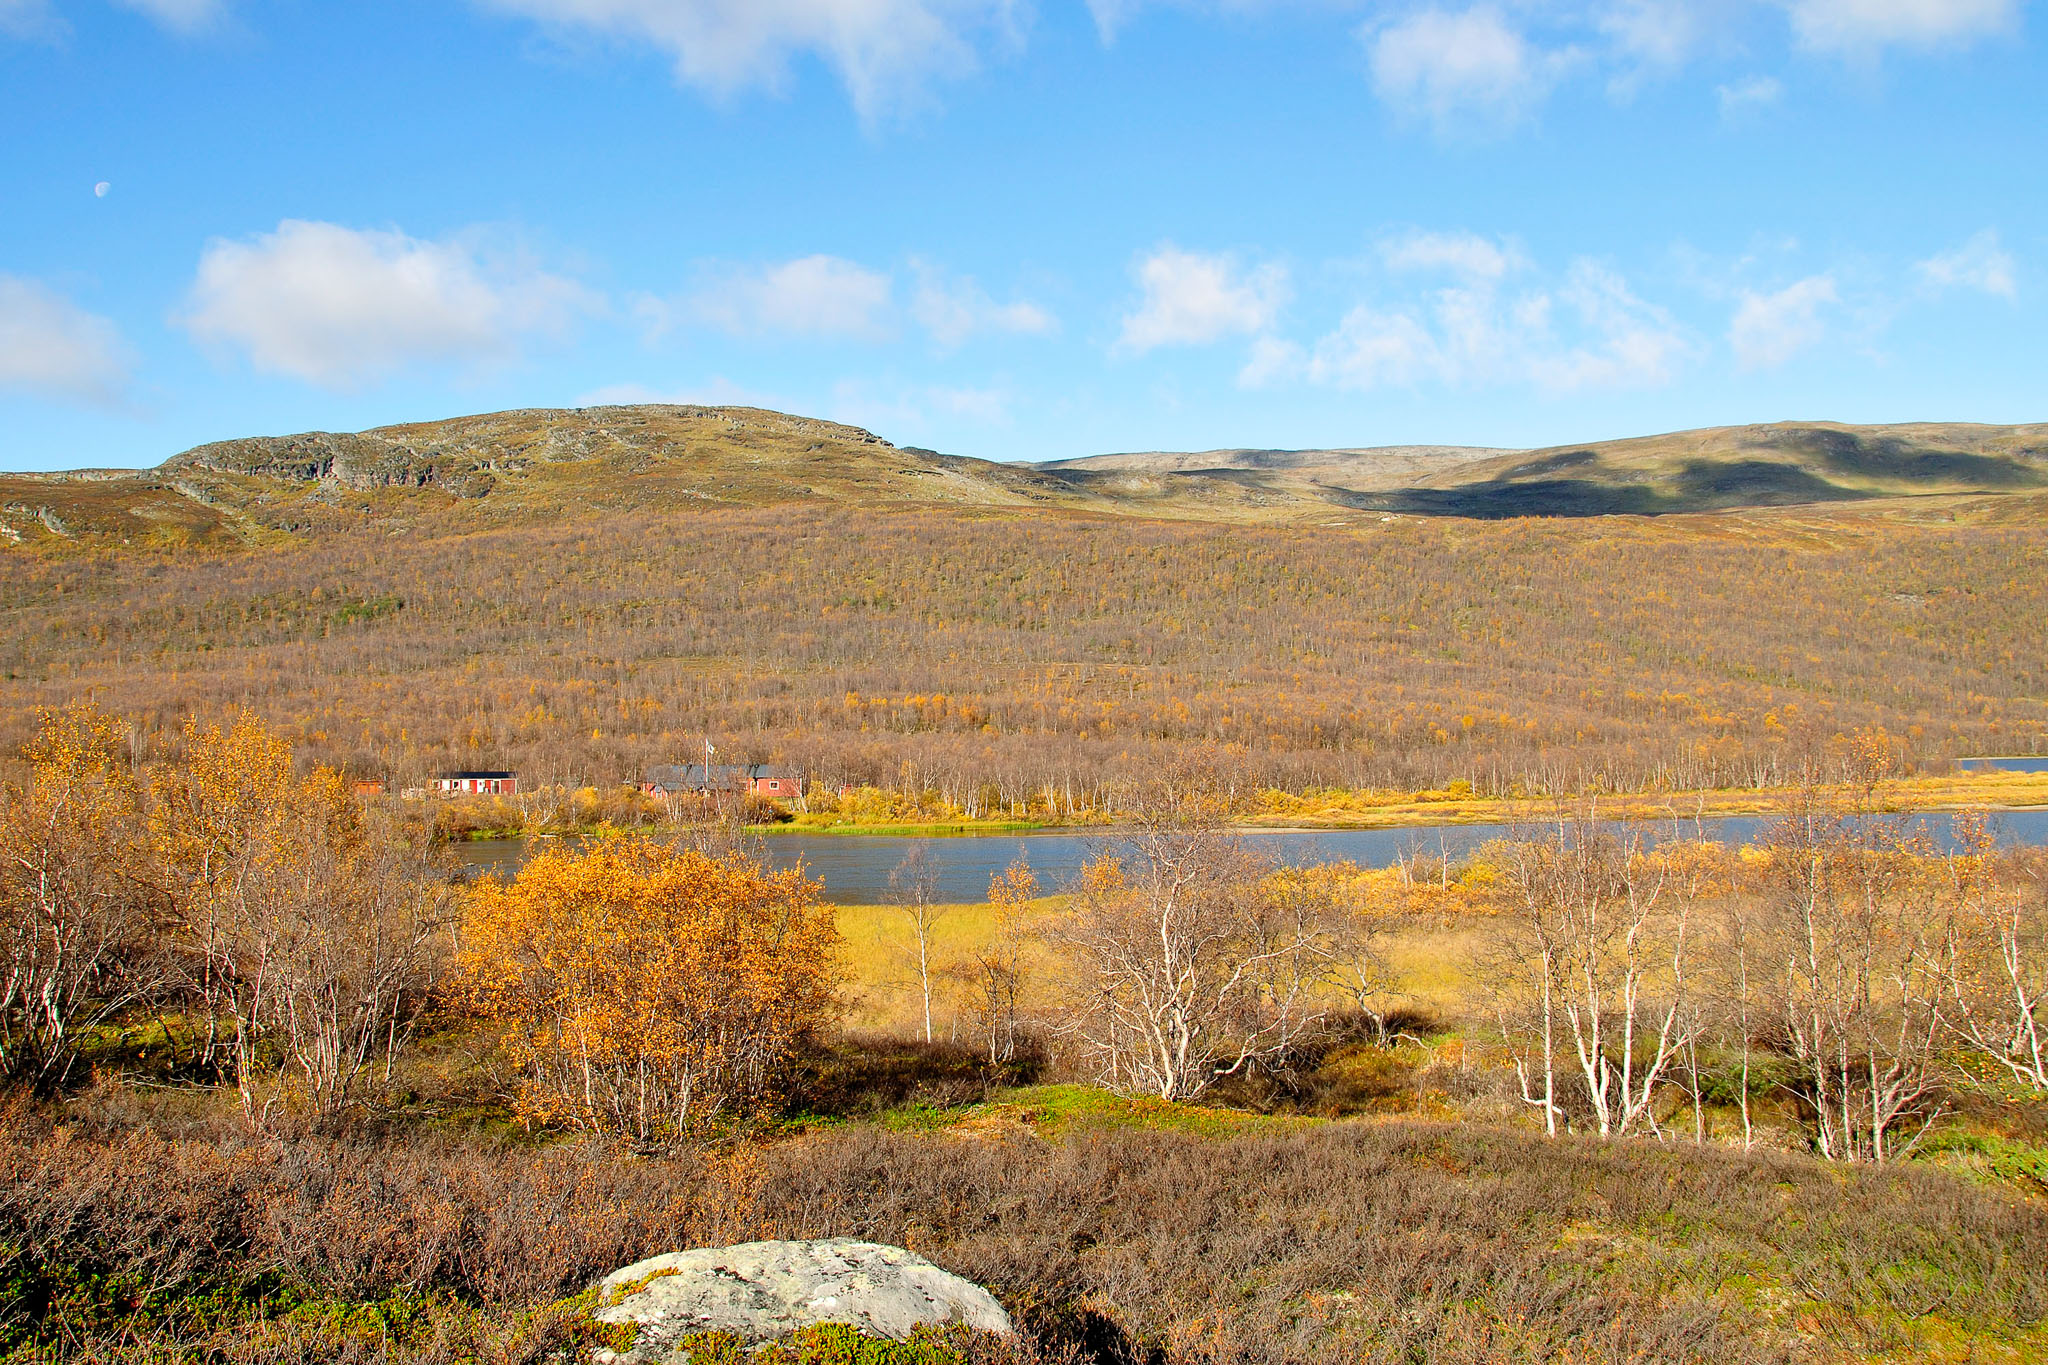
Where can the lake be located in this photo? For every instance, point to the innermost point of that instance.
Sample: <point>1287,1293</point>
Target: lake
<point>855,868</point>
<point>2005,765</point>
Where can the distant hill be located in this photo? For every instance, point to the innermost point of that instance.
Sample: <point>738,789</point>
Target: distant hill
<point>730,454</point>
<point>1776,465</point>
<point>1714,469</point>
<point>488,469</point>
<point>1367,463</point>
<point>471,472</point>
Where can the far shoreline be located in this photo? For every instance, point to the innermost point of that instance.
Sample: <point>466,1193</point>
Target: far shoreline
<point>1993,793</point>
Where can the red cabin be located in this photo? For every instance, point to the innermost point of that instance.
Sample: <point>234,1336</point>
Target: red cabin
<point>476,784</point>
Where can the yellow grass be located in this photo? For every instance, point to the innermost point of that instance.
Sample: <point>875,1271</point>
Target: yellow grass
<point>1437,961</point>
<point>879,949</point>
<point>1394,810</point>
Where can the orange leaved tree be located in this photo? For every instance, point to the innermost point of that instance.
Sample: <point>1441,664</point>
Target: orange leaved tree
<point>78,908</point>
<point>644,989</point>
<point>310,928</point>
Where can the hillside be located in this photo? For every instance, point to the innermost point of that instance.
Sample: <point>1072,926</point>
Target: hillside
<point>1715,469</point>
<point>499,467</point>
<point>519,467</point>
<point>962,651</point>
<point>536,465</point>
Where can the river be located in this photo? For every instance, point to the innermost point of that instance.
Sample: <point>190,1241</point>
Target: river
<point>855,868</point>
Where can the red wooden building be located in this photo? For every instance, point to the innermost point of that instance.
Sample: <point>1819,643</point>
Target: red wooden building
<point>723,779</point>
<point>477,783</point>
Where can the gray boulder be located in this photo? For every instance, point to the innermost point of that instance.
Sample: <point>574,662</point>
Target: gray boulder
<point>760,1291</point>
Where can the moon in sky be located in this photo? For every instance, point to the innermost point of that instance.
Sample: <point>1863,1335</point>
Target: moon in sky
<point>99,191</point>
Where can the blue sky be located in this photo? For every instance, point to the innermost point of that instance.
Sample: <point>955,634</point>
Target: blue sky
<point>1017,230</point>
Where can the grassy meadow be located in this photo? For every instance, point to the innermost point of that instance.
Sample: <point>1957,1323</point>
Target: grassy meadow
<point>1436,958</point>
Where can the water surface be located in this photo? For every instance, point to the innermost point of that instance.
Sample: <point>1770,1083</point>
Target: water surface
<point>855,868</point>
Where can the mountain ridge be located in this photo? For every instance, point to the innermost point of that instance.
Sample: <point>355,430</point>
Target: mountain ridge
<point>465,472</point>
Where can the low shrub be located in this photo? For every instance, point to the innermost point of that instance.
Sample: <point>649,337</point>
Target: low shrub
<point>1385,1242</point>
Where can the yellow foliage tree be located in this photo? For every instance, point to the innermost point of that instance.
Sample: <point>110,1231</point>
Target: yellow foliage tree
<point>998,971</point>
<point>646,990</point>
<point>77,903</point>
<point>307,926</point>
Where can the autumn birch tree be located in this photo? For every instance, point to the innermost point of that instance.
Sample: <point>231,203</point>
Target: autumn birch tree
<point>997,975</point>
<point>1857,944</point>
<point>1998,955</point>
<point>78,904</point>
<point>645,990</point>
<point>1186,963</point>
<point>914,890</point>
<point>307,929</point>
<point>1597,975</point>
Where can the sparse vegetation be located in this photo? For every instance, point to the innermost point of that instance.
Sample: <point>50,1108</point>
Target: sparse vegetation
<point>965,666</point>
<point>1400,1242</point>
<point>281,1090</point>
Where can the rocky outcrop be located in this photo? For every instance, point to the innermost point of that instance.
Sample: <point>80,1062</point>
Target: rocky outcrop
<point>463,456</point>
<point>761,1291</point>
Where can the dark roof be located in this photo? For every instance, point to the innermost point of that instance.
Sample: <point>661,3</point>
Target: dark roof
<point>479,773</point>
<point>696,777</point>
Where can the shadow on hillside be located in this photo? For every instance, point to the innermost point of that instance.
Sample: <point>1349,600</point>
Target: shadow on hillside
<point>1888,457</point>
<point>1702,486</point>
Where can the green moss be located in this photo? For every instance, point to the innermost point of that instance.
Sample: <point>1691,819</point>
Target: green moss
<point>619,1293</point>
<point>1992,1160</point>
<point>829,1343</point>
<point>1055,1110</point>
<point>709,1348</point>
<point>839,1344</point>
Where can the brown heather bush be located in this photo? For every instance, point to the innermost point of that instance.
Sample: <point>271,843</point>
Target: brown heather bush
<point>1394,1243</point>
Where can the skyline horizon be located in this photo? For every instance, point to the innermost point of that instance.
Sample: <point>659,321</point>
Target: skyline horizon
<point>1059,459</point>
<point>1029,231</point>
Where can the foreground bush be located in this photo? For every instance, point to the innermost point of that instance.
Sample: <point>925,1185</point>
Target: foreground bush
<point>1374,1243</point>
<point>645,990</point>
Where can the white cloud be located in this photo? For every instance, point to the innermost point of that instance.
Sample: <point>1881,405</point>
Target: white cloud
<point>955,309</point>
<point>1271,361</point>
<point>1748,95</point>
<point>338,306</point>
<point>184,16</point>
<point>1980,263</point>
<point>1460,70</point>
<point>1863,26</point>
<point>38,18</point>
<point>28,19</point>
<point>1624,342</point>
<point>885,50</point>
<point>1587,331</point>
<point>1111,14</point>
<point>1372,348</point>
<point>1461,253</point>
<point>1191,299</point>
<point>1653,32</point>
<point>918,413</point>
<point>52,348</point>
<point>813,296</point>
<point>720,392</point>
<point>1769,329</point>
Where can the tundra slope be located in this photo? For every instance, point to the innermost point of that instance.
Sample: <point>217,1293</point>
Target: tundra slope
<point>470,473</point>
<point>1714,469</point>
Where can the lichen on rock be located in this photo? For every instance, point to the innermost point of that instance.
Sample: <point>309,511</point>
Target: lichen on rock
<point>760,1292</point>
